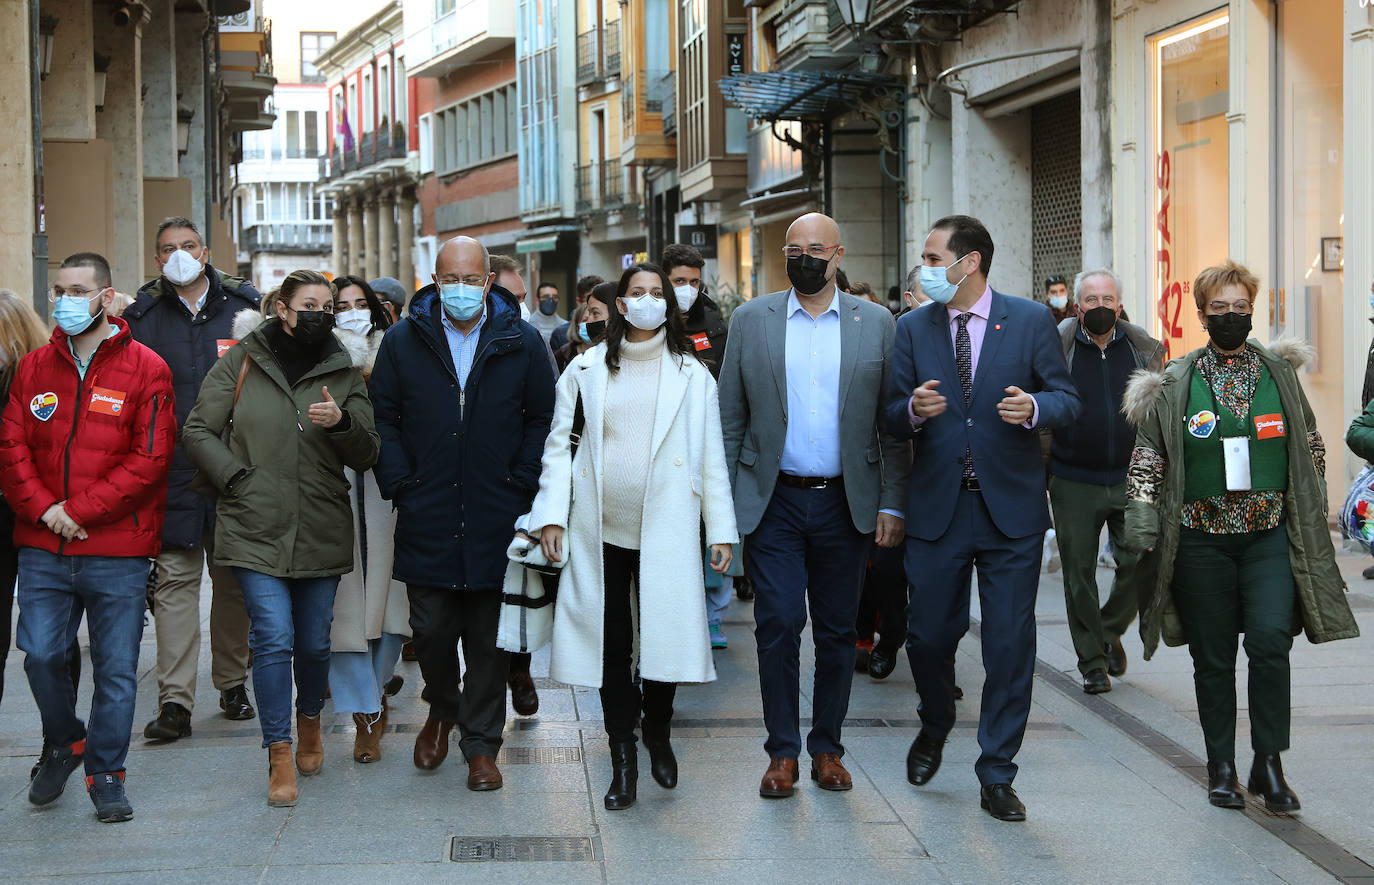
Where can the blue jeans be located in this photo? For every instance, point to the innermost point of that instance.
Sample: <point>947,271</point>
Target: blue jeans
<point>53,591</point>
<point>288,616</point>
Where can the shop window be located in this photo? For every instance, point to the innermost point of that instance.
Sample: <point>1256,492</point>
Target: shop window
<point>1189,100</point>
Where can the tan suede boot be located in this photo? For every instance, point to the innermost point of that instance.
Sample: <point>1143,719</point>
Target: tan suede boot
<point>367,743</point>
<point>309,749</point>
<point>281,778</point>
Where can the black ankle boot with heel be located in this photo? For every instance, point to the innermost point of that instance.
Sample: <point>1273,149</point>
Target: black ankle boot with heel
<point>662,762</point>
<point>624,775</point>
<point>1266,780</point>
<point>1223,787</point>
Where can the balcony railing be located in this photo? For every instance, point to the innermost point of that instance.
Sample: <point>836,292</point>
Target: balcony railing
<point>295,236</point>
<point>589,57</point>
<point>373,147</point>
<point>667,88</point>
<point>611,49</point>
<point>601,187</point>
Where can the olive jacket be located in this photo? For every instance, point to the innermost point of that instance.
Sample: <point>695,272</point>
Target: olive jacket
<point>1156,402</point>
<point>283,508</point>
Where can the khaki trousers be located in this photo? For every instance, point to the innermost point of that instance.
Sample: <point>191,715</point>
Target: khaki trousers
<point>176,618</point>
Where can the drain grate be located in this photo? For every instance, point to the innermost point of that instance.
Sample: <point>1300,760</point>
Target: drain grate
<point>475,849</point>
<point>539,755</point>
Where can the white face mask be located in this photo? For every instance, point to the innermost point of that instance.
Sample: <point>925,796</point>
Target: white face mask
<point>646,312</point>
<point>357,321</point>
<point>686,296</point>
<point>182,269</point>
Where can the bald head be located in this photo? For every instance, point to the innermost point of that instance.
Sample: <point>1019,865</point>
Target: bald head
<point>461,258</point>
<point>813,228</point>
<point>813,253</point>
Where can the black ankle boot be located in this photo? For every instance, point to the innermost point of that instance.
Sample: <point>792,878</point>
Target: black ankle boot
<point>1266,779</point>
<point>624,775</point>
<point>1223,788</point>
<point>662,762</point>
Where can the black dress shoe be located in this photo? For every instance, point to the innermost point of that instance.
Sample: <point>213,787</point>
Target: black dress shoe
<point>958,693</point>
<point>1116,659</point>
<point>861,658</point>
<point>1266,779</point>
<point>234,703</point>
<point>923,759</point>
<point>1095,681</point>
<point>882,662</point>
<point>999,800</point>
<point>393,685</point>
<point>1223,789</point>
<point>173,721</point>
<point>744,588</point>
<point>524,699</point>
<point>1368,573</point>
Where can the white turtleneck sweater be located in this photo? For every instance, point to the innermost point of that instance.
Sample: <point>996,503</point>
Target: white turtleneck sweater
<point>627,434</point>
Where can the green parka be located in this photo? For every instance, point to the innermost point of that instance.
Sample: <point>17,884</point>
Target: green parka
<point>289,514</point>
<point>1156,402</point>
<point>1360,436</point>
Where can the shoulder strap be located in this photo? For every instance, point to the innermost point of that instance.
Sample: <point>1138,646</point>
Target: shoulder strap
<point>238,388</point>
<point>579,422</point>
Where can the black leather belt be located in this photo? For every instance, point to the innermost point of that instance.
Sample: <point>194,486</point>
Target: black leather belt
<point>970,483</point>
<point>809,482</point>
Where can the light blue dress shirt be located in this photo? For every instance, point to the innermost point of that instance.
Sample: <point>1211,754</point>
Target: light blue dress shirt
<point>812,444</point>
<point>463,348</point>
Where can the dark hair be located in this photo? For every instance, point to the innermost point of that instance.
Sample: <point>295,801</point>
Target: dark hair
<point>842,280</point>
<point>380,318</point>
<point>676,337</point>
<point>605,293</point>
<point>586,284</point>
<point>967,234</point>
<point>176,221</point>
<point>680,255</point>
<point>95,262</point>
<point>1055,279</point>
<point>545,284</point>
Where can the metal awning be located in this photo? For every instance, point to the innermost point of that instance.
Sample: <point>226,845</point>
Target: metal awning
<point>800,95</point>
<point>537,244</point>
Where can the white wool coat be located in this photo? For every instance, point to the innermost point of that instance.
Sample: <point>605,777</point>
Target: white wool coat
<point>687,484</point>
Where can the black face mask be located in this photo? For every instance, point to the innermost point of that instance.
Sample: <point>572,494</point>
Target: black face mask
<point>595,330</point>
<point>1228,331</point>
<point>807,273</point>
<point>312,326</point>
<point>1099,320</point>
<point>548,306</point>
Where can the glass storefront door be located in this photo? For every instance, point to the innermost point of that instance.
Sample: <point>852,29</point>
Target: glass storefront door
<point>1189,144</point>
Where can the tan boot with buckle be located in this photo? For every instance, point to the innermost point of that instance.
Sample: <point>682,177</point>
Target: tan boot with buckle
<point>367,743</point>
<point>281,777</point>
<point>309,748</point>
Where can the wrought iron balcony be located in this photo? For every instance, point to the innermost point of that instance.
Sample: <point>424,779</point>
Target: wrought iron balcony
<point>611,49</point>
<point>290,236</point>
<point>601,187</point>
<point>589,63</point>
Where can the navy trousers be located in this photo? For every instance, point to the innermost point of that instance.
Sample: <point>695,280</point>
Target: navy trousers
<point>941,573</point>
<point>806,550</point>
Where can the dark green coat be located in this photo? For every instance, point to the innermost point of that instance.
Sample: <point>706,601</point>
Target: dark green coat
<point>289,515</point>
<point>1157,403</point>
<point>1360,436</point>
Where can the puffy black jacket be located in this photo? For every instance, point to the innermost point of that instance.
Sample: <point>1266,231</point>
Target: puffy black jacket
<point>707,331</point>
<point>189,345</point>
<point>461,463</point>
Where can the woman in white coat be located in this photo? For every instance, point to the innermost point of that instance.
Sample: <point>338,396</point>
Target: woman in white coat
<point>649,469</point>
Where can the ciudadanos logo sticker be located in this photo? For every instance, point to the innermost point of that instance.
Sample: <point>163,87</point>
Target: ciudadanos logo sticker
<point>43,405</point>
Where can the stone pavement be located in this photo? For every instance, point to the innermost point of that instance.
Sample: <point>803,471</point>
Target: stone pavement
<point>1109,782</point>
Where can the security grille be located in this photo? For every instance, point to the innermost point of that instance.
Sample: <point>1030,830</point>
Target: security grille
<point>1056,190</point>
<point>476,849</point>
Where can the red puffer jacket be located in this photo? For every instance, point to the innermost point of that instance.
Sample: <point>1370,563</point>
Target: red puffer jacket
<point>102,444</point>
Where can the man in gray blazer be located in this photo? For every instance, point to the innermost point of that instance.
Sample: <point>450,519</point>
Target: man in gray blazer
<point>815,481</point>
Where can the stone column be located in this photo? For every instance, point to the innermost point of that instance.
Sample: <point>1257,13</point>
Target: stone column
<point>338,260</point>
<point>160,96</point>
<point>386,233</point>
<point>68,111</point>
<point>16,146</point>
<point>373,241</point>
<point>121,124</point>
<point>405,239</point>
<point>190,61</point>
<point>355,235</point>
<point>1096,138</point>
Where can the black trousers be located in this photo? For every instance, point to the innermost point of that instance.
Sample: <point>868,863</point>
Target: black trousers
<point>476,703</point>
<point>882,606</point>
<point>623,701</point>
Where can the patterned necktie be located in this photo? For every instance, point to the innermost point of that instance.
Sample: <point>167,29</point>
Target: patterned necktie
<point>963,359</point>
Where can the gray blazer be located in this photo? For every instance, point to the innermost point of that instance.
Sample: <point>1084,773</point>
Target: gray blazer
<point>753,409</point>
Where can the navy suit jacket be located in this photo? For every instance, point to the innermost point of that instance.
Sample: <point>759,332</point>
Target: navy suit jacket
<point>1021,348</point>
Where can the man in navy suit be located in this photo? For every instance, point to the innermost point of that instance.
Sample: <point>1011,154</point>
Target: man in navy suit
<point>974,374</point>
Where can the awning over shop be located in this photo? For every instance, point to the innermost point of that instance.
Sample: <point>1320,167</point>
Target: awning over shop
<point>801,95</point>
<point>537,244</point>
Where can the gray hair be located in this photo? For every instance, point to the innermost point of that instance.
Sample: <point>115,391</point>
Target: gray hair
<point>913,279</point>
<point>1086,275</point>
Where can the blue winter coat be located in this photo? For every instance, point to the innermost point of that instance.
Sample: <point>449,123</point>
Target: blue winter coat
<point>461,463</point>
<point>189,345</point>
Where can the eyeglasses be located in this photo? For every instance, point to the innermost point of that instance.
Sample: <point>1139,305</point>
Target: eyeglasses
<point>1220,307</point>
<point>815,251</point>
<point>57,292</point>
<point>470,280</point>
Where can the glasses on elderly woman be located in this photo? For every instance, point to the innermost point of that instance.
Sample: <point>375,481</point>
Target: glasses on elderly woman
<point>1220,307</point>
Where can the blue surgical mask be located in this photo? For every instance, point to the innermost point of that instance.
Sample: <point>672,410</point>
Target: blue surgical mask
<point>72,313</point>
<point>1059,302</point>
<point>590,332</point>
<point>462,301</point>
<point>935,282</point>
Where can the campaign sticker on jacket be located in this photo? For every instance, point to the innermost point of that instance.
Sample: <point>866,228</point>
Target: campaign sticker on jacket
<point>223,345</point>
<point>1202,424</point>
<point>700,341</point>
<point>105,401</point>
<point>1269,426</point>
<point>43,405</point>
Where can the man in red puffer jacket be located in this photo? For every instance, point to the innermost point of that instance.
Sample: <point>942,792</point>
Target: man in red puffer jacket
<point>85,445</point>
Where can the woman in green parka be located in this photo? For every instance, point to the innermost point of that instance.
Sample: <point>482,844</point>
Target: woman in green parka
<point>297,411</point>
<point>1227,496</point>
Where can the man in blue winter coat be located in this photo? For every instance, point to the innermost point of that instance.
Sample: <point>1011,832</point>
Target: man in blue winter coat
<point>463,393</point>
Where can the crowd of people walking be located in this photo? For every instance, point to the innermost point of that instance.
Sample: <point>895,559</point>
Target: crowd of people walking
<point>357,467</point>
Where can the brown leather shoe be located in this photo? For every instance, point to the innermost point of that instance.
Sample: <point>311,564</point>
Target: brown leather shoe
<point>829,773</point>
<point>523,697</point>
<point>431,744</point>
<point>780,780</point>
<point>483,774</point>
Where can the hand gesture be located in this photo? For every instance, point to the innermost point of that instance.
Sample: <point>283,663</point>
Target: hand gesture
<point>721,557</point>
<point>890,530</point>
<point>1017,407</point>
<point>926,401</point>
<point>551,542</point>
<point>327,413</point>
<point>59,523</point>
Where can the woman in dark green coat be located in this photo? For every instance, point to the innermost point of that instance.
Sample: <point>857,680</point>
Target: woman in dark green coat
<point>1225,491</point>
<point>296,408</point>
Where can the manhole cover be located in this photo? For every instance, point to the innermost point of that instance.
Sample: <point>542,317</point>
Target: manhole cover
<point>471,849</point>
<point>539,755</point>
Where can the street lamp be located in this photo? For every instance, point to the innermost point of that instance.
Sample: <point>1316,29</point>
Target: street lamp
<point>185,115</point>
<point>855,14</point>
<point>47,32</point>
<point>102,69</point>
